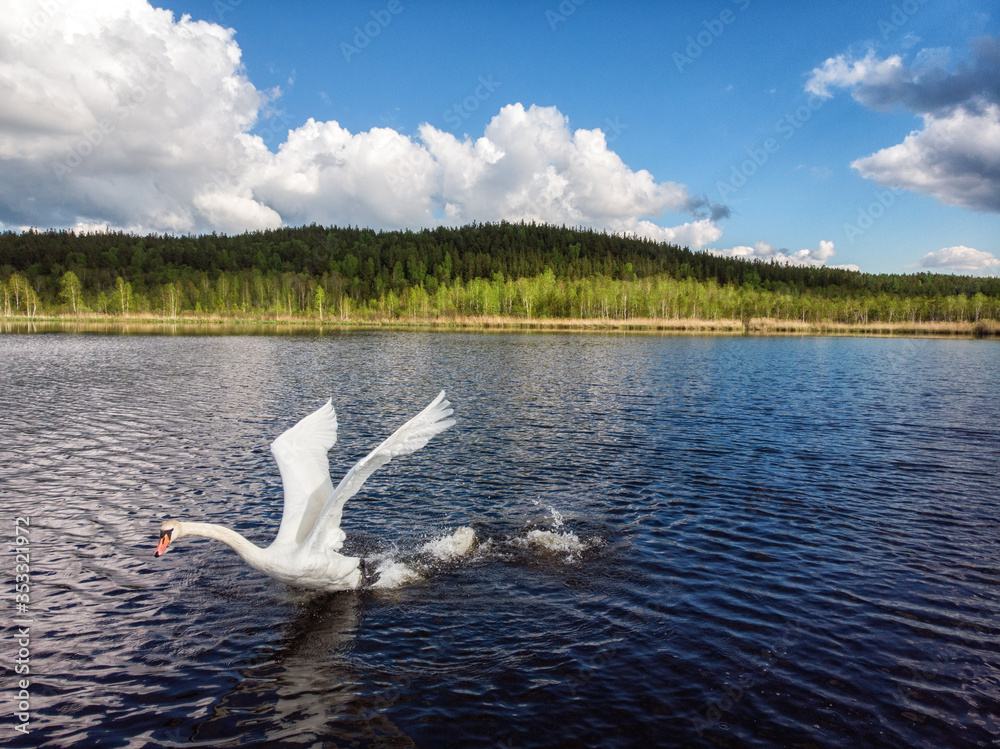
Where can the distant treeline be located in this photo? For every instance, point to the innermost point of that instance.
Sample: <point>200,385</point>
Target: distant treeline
<point>522,269</point>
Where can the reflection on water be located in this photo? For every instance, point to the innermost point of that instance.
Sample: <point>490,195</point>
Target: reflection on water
<point>181,328</point>
<point>276,696</point>
<point>682,541</point>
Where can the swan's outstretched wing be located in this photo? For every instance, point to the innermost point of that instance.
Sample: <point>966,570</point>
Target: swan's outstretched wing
<point>305,472</point>
<point>409,438</point>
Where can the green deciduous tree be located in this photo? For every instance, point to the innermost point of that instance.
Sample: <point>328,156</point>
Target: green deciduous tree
<point>319,300</point>
<point>123,296</point>
<point>70,289</point>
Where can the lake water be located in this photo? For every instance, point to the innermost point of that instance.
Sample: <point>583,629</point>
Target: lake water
<point>683,541</point>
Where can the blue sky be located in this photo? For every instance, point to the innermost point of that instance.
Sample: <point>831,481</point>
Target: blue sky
<point>747,117</point>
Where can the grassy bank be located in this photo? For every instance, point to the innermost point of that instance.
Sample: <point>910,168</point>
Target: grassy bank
<point>236,324</point>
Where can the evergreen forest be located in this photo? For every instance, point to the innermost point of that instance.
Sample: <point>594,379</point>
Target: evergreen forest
<point>519,270</point>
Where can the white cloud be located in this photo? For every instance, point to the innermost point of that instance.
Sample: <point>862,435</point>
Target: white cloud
<point>928,85</point>
<point>326,174</point>
<point>113,112</point>
<point>530,166</point>
<point>956,156</point>
<point>116,113</point>
<point>769,253</point>
<point>960,258</point>
<point>539,169</point>
<point>693,234</point>
<point>844,72</point>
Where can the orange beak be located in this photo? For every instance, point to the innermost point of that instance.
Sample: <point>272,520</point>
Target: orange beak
<point>161,547</point>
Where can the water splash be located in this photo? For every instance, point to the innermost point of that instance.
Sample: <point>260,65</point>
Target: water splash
<point>394,573</point>
<point>452,546</point>
<point>554,541</point>
<point>551,542</point>
<point>558,518</point>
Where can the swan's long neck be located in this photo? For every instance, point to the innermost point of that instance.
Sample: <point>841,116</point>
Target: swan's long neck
<point>251,554</point>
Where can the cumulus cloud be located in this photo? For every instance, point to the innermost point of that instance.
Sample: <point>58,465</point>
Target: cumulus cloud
<point>960,258</point>
<point>956,156</point>
<point>769,253</point>
<point>530,165</point>
<point>326,174</point>
<point>116,113</point>
<point>924,87</point>
<point>693,234</point>
<point>843,71</point>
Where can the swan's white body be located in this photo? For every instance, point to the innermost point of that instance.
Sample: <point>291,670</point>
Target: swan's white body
<point>305,553</point>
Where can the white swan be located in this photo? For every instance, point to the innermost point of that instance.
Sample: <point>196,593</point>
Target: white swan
<point>305,551</point>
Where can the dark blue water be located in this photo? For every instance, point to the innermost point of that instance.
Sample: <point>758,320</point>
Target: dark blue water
<point>748,542</point>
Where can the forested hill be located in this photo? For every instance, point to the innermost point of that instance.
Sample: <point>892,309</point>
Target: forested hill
<point>366,264</point>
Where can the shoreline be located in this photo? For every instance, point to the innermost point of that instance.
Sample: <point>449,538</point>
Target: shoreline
<point>682,326</point>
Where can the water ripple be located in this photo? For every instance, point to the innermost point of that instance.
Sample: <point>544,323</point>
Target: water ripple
<point>681,541</point>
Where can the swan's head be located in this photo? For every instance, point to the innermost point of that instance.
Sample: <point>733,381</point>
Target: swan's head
<point>169,531</point>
